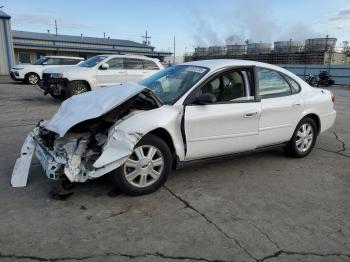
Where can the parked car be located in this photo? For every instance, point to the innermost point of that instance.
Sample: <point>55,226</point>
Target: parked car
<point>193,111</point>
<point>31,73</point>
<point>98,71</point>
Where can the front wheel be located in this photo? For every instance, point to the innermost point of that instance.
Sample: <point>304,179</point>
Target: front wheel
<point>32,79</point>
<point>76,88</point>
<point>304,138</point>
<point>146,169</point>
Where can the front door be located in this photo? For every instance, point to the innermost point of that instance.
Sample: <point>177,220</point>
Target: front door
<point>230,124</point>
<point>115,74</point>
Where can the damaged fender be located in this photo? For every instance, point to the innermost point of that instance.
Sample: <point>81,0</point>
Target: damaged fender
<point>125,135</point>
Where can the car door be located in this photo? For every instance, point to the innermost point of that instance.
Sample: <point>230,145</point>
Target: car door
<point>113,75</point>
<point>231,123</point>
<point>281,106</point>
<point>134,70</point>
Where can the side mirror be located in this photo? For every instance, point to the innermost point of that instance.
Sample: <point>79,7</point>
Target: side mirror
<point>104,66</point>
<point>204,99</point>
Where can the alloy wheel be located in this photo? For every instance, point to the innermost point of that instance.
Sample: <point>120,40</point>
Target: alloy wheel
<point>304,138</point>
<point>144,166</point>
<point>33,79</point>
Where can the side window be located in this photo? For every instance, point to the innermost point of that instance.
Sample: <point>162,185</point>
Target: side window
<point>272,84</point>
<point>150,65</point>
<point>68,61</point>
<point>232,86</point>
<point>115,63</point>
<point>132,63</point>
<point>52,61</point>
<point>293,84</point>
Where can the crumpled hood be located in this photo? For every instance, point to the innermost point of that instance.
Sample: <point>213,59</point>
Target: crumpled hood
<point>90,105</point>
<point>66,69</point>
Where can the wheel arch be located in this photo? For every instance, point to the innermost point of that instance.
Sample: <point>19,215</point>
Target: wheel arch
<point>31,72</point>
<point>316,118</point>
<point>163,134</point>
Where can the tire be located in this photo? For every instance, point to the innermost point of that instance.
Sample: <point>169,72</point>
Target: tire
<point>76,88</point>
<point>60,96</point>
<point>134,176</point>
<point>303,139</point>
<point>32,79</point>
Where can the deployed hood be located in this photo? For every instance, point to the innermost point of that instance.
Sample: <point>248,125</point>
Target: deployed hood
<point>66,69</point>
<point>90,105</point>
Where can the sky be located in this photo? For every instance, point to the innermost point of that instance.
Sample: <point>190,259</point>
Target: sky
<point>192,22</point>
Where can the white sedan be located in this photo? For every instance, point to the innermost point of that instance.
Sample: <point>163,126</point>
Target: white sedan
<point>138,133</point>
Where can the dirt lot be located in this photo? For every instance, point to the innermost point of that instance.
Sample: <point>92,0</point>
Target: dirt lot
<point>264,206</point>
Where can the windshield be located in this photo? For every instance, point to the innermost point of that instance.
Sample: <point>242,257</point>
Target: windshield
<point>92,61</point>
<point>171,83</point>
<point>40,61</point>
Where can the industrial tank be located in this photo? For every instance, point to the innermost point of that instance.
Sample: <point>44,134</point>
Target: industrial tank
<point>237,49</point>
<point>259,48</point>
<point>217,51</point>
<point>201,51</point>
<point>288,46</point>
<point>320,44</point>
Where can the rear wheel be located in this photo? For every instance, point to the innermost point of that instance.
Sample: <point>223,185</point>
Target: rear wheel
<point>146,169</point>
<point>76,88</point>
<point>304,138</point>
<point>32,79</point>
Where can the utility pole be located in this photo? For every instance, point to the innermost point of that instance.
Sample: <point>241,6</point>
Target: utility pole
<point>56,27</point>
<point>146,37</point>
<point>174,51</point>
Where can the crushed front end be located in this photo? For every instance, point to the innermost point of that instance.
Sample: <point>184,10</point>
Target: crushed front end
<point>53,84</point>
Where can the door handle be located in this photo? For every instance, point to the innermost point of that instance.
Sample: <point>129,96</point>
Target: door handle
<point>296,105</point>
<point>250,114</point>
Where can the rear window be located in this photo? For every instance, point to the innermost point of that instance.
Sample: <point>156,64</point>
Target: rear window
<point>150,65</point>
<point>69,61</point>
<point>132,63</point>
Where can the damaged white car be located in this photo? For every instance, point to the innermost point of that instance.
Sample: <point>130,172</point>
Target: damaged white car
<point>138,133</point>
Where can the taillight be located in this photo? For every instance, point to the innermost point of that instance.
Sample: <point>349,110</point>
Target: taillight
<point>333,98</point>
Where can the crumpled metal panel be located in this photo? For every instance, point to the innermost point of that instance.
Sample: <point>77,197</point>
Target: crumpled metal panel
<point>90,105</point>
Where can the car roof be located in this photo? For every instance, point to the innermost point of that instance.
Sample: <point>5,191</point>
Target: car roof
<point>131,56</point>
<point>214,64</point>
<point>69,57</point>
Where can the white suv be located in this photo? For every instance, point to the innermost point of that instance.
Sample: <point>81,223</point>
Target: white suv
<point>98,71</point>
<point>31,73</point>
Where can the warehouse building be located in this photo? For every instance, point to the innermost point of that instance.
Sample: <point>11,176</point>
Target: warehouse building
<point>26,47</point>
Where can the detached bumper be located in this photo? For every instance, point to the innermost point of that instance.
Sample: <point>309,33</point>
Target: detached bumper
<point>52,165</point>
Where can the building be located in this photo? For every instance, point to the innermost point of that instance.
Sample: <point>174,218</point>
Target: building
<point>6,47</point>
<point>29,46</point>
<point>26,47</point>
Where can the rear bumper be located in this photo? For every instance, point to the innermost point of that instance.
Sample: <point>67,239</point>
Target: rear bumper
<point>327,120</point>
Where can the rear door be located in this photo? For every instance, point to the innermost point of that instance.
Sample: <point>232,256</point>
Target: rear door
<point>281,106</point>
<point>134,70</point>
<point>231,124</point>
<point>115,74</point>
